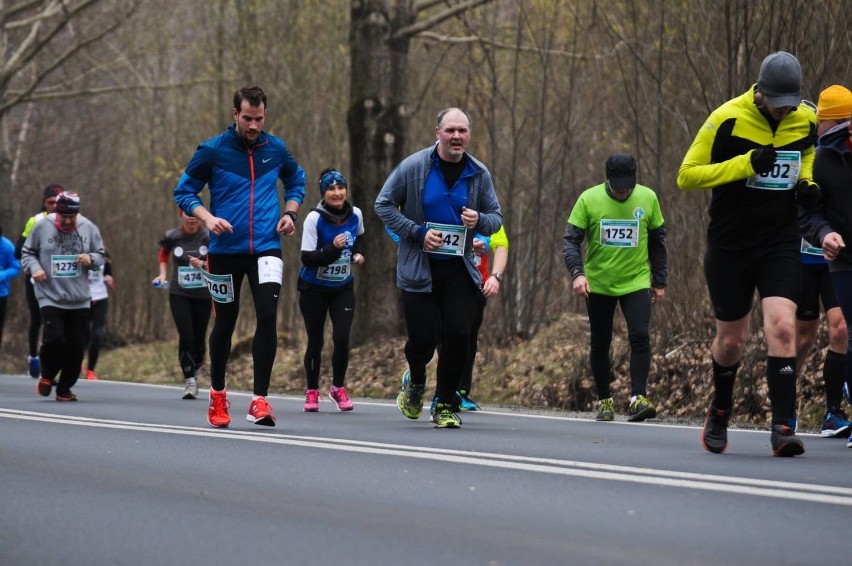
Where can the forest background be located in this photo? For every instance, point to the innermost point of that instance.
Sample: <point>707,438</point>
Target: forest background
<point>111,97</point>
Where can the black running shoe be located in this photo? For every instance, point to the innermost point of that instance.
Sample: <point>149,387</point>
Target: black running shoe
<point>785,442</point>
<point>714,437</point>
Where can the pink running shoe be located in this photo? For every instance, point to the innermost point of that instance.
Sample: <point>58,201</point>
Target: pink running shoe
<point>312,401</point>
<point>260,413</point>
<point>339,398</point>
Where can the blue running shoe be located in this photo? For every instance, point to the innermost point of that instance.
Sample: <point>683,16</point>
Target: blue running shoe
<point>34,366</point>
<point>836,425</point>
<point>465,402</point>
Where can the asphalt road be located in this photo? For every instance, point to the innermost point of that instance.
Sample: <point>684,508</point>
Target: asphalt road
<point>132,474</point>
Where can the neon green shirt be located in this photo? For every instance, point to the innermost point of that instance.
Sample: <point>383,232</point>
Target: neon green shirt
<point>617,238</point>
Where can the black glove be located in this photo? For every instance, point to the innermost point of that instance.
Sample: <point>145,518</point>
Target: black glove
<point>763,159</point>
<point>807,194</point>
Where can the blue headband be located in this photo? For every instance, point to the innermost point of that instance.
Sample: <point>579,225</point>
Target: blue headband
<point>330,178</point>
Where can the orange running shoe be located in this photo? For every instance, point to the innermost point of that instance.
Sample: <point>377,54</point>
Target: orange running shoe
<point>260,413</point>
<point>217,413</point>
<point>90,375</point>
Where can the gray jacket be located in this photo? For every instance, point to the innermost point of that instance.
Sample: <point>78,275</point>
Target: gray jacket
<point>46,242</point>
<point>400,206</point>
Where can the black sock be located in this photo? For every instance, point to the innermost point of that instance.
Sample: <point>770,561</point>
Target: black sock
<point>781,378</point>
<point>833,377</point>
<point>723,382</point>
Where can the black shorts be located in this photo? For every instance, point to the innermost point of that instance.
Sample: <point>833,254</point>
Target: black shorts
<point>733,276</point>
<point>816,285</point>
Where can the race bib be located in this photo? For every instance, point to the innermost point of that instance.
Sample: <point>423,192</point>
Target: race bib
<point>453,238</point>
<point>809,249</point>
<point>270,269</point>
<point>95,277</point>
<point>336,271</point>
<point>64,266</point>
<point>221,287</point>
<point>619,233</point>
<point>190,277</point>
<point>783,176</point>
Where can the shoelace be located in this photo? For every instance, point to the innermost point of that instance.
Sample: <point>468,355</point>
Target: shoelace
<point>339,394</point>
<point>221,405</point>
<point>312,397</point>
<point>261,405</point>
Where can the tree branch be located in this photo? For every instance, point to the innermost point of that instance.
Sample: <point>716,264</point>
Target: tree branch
<point>95,91</point>
<point>497,44</point>
<point>414,29</point>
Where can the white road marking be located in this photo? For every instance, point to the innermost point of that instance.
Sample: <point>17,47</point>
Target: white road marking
<point>811,493</point>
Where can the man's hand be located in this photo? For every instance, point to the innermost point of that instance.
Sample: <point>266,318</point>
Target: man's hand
<point>286,226</point>
<point>469,218</point>
<point>581,286</point>
<point>832,244</point>
<point>478,247</point>
<point>763,159</point>
<point>433,240</point>
<point>807,194</point>
<point>85,260</point>
<point>218,225</point>
<point>657,295</point>
<point>39,276</point>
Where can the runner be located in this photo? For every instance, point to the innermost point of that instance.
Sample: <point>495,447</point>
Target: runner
<point>100,284</point>
<point>189,300</point>
<point>56,254</point>
<point>833,108</point>
<point>332,240</point>
<point>48,205</point>
<point>756,152</point>
<point>623,227</point>
<point>241,168</point>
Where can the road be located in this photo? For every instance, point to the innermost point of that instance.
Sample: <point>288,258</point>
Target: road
<point>131,474</point>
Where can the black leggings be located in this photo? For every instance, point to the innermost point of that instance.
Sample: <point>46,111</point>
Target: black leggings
<point>315,303</point>
<point>843,289</point>
<point>35,318</point>
<point>445,315</point>
<point>636,308</point>
<point>191,316</point>
<point>97,322</point>
<point>66,333</point>
<point>265,308</point>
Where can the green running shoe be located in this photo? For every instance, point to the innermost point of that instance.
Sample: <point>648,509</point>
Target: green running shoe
<point>606,412</point>
<point>410,398</point>
<point>444,417</point>
<point>640,409</point>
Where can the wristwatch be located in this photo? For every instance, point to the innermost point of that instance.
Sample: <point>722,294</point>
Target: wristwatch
<point>498,276</point>
<point>292,214</point>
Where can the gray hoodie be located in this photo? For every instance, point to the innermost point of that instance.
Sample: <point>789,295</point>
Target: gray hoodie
<point>400,206</point>
<point>43,250</point>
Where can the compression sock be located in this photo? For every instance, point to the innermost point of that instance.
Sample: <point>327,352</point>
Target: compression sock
<point>781,378</point>
<point>723,381</point>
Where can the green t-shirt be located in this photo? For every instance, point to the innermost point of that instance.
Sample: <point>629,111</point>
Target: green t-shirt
<point>617,238</point>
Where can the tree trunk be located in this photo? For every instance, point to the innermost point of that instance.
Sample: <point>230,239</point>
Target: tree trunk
<point>378,122</point>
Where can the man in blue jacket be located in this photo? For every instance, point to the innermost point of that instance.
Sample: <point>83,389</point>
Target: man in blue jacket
<point>435,200</point>
<point>241,168</point>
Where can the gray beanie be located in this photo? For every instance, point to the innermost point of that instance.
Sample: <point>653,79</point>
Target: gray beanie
<point>780,79</point>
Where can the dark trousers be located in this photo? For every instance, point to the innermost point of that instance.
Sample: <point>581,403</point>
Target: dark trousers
<point>265,308</point>
<point>843,289</point>
<point>64,339</point>
<point>97,321</point>
<point>636,308</point>
<point>191,317</point>
<point>35,319</point>
<point>339,304</point>
<point>443,315</point>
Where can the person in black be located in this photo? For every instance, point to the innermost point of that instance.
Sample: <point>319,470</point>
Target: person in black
<point>756,153</point>
<point>189,298</point>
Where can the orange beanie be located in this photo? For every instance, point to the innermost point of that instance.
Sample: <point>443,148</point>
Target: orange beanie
<point>835,103</point>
